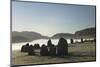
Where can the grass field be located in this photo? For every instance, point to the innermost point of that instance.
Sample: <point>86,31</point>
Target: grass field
<point>78,52</point>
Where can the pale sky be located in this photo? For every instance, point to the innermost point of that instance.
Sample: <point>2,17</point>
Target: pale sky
<point>49,19</point>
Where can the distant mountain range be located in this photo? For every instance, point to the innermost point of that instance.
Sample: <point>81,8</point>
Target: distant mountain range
<point>27,36</point>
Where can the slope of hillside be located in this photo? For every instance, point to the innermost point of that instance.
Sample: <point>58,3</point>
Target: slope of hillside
<point>64,35</point>
<point>86,33</point>
<point>26,36</point>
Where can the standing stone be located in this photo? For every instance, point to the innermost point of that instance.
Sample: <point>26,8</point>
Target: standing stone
<point>49,43</point>
<point>31,50</point>
<point>62,47</point>
<point>52,51</point>
<point>71,41</point>
<point>44,50</point>
<point>25,48</point>
<point>81,40</point>
<point>36,46</point>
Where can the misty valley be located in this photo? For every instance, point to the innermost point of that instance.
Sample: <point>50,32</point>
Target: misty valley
<point>78,47</point>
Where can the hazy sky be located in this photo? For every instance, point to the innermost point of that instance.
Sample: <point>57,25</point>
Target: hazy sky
<point>49,19</point>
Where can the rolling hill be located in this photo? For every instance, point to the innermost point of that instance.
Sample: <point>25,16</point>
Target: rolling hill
<point>27,36</point>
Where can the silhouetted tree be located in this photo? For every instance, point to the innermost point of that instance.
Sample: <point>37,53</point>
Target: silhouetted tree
<point>71,41</point>
<point>25,48</point>
<point>31,50</point>
<point>62,47</point>
<point>44,50</point>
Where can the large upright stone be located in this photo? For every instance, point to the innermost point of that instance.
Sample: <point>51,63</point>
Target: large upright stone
<point>49,43</point>
<point>71,41</point>
<point>44,50</point>
<point>31,50</point>
<point>82,40</point>
<point>62,47</point>
<point>25,48</point>
<point>52,50</point>
<point>36,46</point>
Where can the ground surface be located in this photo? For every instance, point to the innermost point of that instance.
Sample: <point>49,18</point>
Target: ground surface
<point>77,52</point>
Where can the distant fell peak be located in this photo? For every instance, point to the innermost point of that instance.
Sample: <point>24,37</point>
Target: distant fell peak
<point>88,32</point>
<point>26,36</point>
<point>87,28</point>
